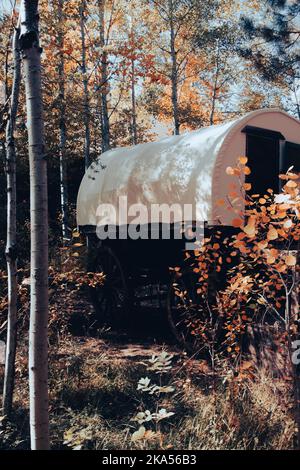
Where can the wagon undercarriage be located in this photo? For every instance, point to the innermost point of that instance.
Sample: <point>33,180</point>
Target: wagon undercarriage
<point>149,274</point>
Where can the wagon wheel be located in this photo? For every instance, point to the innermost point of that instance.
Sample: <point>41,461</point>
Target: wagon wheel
<point>189,315</point>
<point>110,299</point>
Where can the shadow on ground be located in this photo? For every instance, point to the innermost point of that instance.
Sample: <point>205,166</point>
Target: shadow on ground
<point>145,325</point>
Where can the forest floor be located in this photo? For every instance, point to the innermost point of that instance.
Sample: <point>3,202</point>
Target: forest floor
<point>94,396</point>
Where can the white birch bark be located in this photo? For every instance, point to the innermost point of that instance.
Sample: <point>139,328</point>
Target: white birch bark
<point>215,87</point>
<point>38,344</point>
<point>86,111</point>
<point>11,241</point>
<point>104,79</point>
<point>62,125</point>
<point>174,72</point>
<point>133,105</point>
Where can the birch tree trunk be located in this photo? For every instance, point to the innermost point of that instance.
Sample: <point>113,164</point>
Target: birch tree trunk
<point>62,125</point>
<point>295,319</point>
<point>86,112</point>
<point>104,80</point>
<point>215,89</point>
<point>295,93</point>
<point>11,243</point>
<point>174,73</point>
<point>133,104</point>
<point>38,345</point>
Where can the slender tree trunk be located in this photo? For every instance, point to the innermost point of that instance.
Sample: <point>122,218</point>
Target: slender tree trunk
<point>133,104</point>
<point>38,344</point>
<point>99,121</point>
<point>87,139</point>
<point>295,319</point>
<point>297,103</point>
<point>5,104</point>
<point>6,71</point>
<point>104,80</point>
<point>11,244</point>
<point>62,125</point>
<point>174,73</point>
<point>215,89</point>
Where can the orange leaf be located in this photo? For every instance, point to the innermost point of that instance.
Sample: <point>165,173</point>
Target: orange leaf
<point>243,160</point>
<point>237,222</point>
<point>293,176</point>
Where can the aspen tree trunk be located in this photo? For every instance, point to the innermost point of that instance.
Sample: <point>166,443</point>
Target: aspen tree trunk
<point>215,89</point>
<point>174,73</point>
<point>87,139</point>
<point>62,125</point>
<point>11,243</point>
<point>104,80</point>
<point>297,103</point>
<point>295,319</point>
<point>38,346</point>
<point>133,104</point>
<point>98,127</point>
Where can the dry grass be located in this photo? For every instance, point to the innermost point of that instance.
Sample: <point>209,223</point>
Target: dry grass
<point>93,397</point>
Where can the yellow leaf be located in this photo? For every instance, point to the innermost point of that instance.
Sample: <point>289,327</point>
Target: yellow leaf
<point>272,234</point>
<point>250,229</point>
<point>291,184</point>
<point>262,244</point>
<point>229,171</point>
<point>290,260</point>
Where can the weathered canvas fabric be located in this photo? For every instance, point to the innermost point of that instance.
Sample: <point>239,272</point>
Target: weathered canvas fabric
<point>185,169</point>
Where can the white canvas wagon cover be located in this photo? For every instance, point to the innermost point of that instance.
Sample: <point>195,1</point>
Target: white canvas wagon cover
<point>185,169</point>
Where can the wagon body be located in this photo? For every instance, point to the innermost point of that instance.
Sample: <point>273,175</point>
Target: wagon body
<point>185,170</point>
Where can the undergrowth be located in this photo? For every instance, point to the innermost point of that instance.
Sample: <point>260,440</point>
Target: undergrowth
<point>94,398</point>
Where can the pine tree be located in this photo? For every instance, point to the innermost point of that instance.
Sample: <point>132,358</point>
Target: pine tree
<point>274,43</point>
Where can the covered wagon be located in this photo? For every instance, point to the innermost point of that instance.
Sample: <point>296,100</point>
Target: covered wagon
<point>178,179</point>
